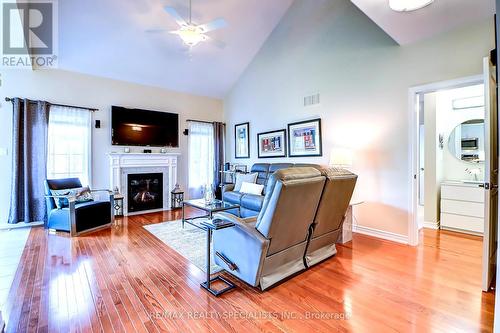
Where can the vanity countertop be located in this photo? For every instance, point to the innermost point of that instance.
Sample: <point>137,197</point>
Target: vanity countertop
<point>464,183</point>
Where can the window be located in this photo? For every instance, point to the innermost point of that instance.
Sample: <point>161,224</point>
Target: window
<point>201,158</point>
<point>69,141</point>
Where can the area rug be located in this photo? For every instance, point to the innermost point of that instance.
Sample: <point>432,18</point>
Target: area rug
<point>189,242</point>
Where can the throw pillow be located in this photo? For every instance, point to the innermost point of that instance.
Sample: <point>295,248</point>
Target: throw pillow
<point>244,177</point>
<point>250,188</point>
<point>81,194</point>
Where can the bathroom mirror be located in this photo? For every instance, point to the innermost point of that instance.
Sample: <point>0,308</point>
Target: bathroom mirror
<point>466,141</point>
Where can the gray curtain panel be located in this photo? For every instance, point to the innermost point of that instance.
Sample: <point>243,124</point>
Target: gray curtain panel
<point>29,160</point>
<point>219,144</point>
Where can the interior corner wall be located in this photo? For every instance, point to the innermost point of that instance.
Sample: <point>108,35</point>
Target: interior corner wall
<point>363,77</point>
<point>72,88</point>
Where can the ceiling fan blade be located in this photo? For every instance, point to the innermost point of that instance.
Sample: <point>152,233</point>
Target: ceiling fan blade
<point>213,25</point>
<point>175,15</point>
<point>154,31</point>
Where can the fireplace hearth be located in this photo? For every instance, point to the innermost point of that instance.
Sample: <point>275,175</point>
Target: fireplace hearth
<point>145,191</point>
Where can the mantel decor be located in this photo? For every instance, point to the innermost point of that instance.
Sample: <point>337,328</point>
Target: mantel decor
<point>304,138</point>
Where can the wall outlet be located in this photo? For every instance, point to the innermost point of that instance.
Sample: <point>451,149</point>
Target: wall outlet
<point>3,151</point>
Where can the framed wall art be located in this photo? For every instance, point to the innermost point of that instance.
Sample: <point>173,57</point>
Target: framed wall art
<point>304,138</point>
<point>242,140</point>
<point>271,144</point>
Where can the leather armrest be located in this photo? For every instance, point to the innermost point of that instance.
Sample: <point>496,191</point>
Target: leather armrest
<point>243,224</point>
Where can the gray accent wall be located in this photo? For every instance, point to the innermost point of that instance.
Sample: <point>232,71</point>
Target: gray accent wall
<point>363,76</point>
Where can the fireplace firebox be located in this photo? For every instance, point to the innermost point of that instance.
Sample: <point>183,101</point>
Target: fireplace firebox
<point>145,191</point>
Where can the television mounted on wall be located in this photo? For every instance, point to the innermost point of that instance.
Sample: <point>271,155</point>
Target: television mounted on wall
<point>138,127</point>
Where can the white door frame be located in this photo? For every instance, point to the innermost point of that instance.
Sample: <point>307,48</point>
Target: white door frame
<point>413,141</point>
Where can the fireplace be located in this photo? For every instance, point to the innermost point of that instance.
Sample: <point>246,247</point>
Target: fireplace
<point>144,191</point>
<point>124,164</point>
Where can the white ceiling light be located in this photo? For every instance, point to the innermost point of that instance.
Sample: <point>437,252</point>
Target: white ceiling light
<point>408,5</point>
<point>190,33</point>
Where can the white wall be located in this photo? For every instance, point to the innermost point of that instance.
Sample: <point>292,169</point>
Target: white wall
<point>363,77</point>
<point>84,90</point>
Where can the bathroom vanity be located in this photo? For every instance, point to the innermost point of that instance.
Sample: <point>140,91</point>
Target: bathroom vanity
<point>462,206</point>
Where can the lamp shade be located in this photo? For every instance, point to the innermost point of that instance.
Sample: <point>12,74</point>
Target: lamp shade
<point>341,157</point>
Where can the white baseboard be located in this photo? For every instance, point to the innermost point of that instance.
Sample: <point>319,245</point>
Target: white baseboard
<point>390,236</point>
<point>431,225</point>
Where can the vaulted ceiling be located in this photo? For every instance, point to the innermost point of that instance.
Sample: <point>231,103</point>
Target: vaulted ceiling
<point>109,38</point>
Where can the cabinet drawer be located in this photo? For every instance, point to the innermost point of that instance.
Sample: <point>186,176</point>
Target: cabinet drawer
<point>461,222</point>
<point>474,209</point>
<point>462,193</point>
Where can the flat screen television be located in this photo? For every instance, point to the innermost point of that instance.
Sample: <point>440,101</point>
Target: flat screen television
<point>136,127</point>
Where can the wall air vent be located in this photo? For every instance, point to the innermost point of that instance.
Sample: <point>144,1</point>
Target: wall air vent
<point>312,100</point>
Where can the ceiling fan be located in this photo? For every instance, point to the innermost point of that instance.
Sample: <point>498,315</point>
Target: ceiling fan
<point>190,33</point>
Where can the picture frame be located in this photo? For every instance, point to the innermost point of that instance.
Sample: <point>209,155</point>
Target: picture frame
<point>242,140</point>
<point>304,138</point>
<point>272,144</point>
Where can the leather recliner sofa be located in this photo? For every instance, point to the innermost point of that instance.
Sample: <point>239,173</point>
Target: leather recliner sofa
<point>251,204</point>
<point>298,226</point>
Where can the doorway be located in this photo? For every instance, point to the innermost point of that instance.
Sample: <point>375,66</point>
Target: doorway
<point>454,167</point>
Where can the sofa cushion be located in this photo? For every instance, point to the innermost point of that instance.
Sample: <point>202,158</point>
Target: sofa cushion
<point>252,201</point>
<point>244,178</point>
<point>81,194</point>
<point>249,188</point>
<point>233,197</point>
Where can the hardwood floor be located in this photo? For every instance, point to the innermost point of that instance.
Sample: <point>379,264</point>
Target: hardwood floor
<point>126,280</point>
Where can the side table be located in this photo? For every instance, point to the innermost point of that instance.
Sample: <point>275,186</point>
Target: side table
<point>346,234</point>
<point>210,226</point>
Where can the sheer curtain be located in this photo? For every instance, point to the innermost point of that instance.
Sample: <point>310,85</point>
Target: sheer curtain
<point>201,158</point>
<point>69,142</point>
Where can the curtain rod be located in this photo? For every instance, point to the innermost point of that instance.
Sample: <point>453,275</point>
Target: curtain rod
<point>201,121</point>
<point>8,99</point>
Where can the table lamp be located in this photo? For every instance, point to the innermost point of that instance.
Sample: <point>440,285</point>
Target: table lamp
<point>341,158</point>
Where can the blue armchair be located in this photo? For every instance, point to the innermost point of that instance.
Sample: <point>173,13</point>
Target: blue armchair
<point>78,217</point>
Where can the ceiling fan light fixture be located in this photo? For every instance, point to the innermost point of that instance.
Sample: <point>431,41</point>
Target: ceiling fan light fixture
<point>408,5</point>
<point>191,35</point>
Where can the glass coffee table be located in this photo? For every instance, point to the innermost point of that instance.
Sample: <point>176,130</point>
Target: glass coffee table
<point>206,222</point>
<point>209,209</point>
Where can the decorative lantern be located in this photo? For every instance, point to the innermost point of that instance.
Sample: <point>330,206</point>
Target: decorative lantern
<point>118,204</point>
<point>177,197</point>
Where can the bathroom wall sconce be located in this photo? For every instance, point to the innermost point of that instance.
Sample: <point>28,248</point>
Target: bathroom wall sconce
<point>441,141</point>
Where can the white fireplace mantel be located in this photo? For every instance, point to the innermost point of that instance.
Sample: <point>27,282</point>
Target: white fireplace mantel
<point>121,164</point>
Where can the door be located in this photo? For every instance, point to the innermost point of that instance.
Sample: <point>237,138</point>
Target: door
<point>490,174</point>
<point>421,164</point>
